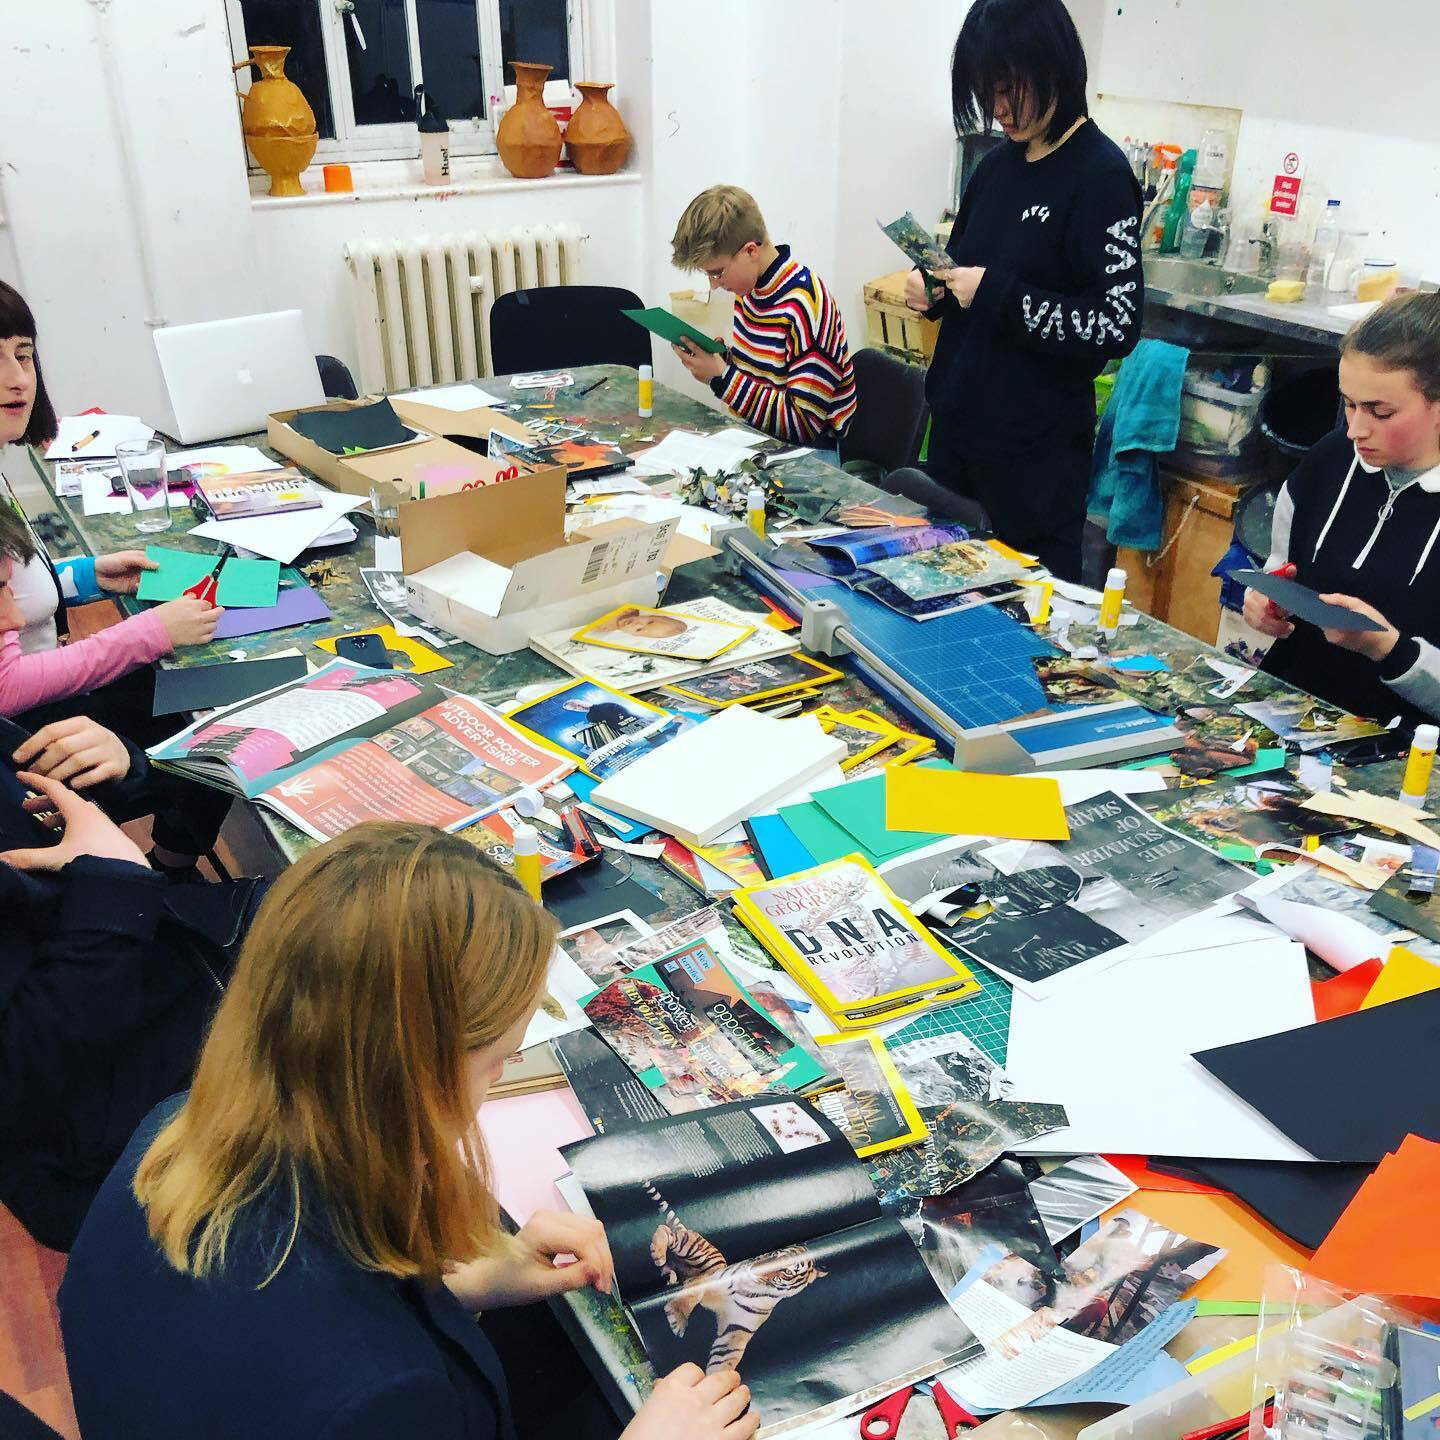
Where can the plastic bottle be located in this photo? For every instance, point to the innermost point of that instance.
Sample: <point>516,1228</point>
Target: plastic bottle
<point>647,392</point>
<point>525,847</point>
<point>1196,233</point>
<point>1417,768</point>
<point>1111,600</point>
<point>1179,204</point>
<point>1323,250</point>
<point>755,510</point>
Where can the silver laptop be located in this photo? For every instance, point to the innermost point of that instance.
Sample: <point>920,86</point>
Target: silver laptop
<point>226,376</point>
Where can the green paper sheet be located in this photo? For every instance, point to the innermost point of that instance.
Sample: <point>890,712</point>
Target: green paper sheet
<point>1271,759</point>
<point>1227,1307</point>
<point>820,835</point>
<point>673,328</point>
<point>243,583</point>
<point>248,583</point>
<point>860,808</point>
<point>179,570</point>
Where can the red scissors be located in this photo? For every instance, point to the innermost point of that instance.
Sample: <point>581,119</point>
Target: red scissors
<point>206,586</point>
<point>882,1421</point>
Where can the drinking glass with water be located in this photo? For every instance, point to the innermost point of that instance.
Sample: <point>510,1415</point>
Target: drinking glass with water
<point>142,464</point>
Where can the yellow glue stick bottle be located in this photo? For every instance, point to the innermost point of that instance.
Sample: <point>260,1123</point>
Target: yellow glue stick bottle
<point>525,846</point>
<point>647,392</point>
<point>1417,768</point>
<point>1110,601</point>
<point>755,510</point>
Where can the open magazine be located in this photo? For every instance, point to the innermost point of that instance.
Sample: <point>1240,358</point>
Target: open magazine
<point>749,1236</point>
<point>349,743</point>
<point>923,570</point>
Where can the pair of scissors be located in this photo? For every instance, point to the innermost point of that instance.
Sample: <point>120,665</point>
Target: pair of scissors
<point>882,1421</point>
<point>206,587</point>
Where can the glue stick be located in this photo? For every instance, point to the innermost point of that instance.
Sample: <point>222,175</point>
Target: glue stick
<point>1110,601</point>
<point>755,510</point>
<point>647,392</point>
<point>525,847</point>
<point>1417,767</point>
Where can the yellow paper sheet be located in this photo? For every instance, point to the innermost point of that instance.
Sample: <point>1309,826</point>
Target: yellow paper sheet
<point>1405,974</point>
<point>421,657</point>
<point>956,802</point>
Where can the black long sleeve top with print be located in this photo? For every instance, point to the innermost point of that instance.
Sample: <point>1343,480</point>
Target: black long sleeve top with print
<point>1013,374</point>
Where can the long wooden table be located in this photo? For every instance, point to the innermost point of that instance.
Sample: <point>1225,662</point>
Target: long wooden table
<point>608,412</point>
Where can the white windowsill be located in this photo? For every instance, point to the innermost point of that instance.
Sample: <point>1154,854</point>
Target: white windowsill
<point>400,180</point>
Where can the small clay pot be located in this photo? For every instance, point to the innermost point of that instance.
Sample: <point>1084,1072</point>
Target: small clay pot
<point>528,138</point>
<point>596,138</point>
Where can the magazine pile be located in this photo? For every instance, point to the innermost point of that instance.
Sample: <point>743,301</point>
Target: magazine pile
<point>348,744</point>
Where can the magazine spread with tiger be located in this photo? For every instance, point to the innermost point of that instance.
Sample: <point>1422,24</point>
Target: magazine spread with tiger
<point>749,1236</point>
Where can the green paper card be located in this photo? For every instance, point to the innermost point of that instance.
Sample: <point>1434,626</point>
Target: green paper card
<point>1271,759</point>
<point>179,570</point>
<point>820,835</point>
<point>248,583</point>
<point>860,808</point>
<point>673,328</point>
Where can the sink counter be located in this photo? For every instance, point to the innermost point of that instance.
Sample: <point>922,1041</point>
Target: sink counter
<point>1310,323</point>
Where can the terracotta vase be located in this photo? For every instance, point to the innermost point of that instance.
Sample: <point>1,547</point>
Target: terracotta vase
<point>596,138</point>
<point>277,120</point>
<point>528,138</point>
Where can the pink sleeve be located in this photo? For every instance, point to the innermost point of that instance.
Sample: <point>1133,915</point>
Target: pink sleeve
<point>28,680</point>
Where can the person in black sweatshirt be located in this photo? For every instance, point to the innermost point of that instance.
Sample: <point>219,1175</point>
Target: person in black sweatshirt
<point>1359,520</point>
<point>1047,284</point>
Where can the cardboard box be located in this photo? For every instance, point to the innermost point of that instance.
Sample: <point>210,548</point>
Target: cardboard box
<point>495,566</point>
<point>396,473</point>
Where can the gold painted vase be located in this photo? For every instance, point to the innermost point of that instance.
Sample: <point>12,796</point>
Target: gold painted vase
<point>596,138</point>
<point>529,138</point>
<point>277,120</point>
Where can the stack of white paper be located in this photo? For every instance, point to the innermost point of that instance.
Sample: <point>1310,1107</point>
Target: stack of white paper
<point>282,537</point>
<point>684,450</point>
<point>88,437</point>
<point>1117,1051</point>
<point>458,398</point>
<point>733,765</point>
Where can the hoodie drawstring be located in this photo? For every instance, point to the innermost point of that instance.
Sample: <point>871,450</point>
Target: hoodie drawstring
<point>1335,509</point>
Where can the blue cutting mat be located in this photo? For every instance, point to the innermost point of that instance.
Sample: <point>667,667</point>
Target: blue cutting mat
<point>973,665</point>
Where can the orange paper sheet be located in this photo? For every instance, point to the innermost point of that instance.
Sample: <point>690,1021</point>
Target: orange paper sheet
<point>1343,994</point>
<point>1388,1239</point>
<point>1405,974</point>
<point>1220,1220</point>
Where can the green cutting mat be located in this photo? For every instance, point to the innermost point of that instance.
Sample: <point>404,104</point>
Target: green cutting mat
<point>984,1018</point>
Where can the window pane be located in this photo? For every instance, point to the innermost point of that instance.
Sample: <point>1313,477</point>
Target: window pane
<point>450,57</point>
<point>380,83</point>
<point>295,23</point>
<point>535,30</point>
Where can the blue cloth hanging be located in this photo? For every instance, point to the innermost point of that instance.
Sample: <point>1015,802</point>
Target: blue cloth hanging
<point>1141,421</point>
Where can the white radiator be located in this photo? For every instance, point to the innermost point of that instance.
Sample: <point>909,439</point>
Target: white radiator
<point>422,306</point>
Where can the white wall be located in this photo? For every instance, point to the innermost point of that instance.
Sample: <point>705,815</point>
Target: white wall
<point>1349,86</point>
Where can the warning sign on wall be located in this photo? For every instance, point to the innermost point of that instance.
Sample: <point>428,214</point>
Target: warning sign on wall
<point>1285,193</point>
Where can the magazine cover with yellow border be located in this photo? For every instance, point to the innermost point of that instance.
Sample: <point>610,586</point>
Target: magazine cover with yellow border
<point>949,978</point>
<point>824,675</point>
<point>884,732</point>
<point>672,644</point>
<point>865,1068</point>
<point>630,704</point>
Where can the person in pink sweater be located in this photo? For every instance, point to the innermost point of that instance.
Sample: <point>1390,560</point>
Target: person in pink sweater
<point>73,697</point>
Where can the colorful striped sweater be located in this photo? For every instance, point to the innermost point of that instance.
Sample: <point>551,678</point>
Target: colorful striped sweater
<point>789,373</point>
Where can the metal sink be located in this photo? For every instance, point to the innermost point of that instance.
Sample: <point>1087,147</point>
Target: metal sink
<point>1195,277</point>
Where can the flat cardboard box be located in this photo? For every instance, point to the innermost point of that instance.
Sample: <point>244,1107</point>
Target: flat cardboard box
<point>391,472</point>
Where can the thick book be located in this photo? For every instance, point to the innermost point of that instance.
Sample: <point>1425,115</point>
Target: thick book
<point>852,945</point>
<point>349,743</point>
<point>632,672</point>
<point>749,1237</point>
<point>693,1034</point>
<point>248,493</point>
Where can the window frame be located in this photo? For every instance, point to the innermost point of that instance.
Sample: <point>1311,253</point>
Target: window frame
<point>587,21</point>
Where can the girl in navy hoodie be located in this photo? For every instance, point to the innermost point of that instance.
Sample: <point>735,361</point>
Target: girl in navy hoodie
<point>1359,521</point>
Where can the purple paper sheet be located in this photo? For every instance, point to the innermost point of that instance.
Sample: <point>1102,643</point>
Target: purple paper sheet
<point>294,607</point>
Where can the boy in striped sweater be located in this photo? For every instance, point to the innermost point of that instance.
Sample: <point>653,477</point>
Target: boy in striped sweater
<point>787,371</point>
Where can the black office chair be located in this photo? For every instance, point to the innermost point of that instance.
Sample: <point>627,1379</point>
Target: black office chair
<point>19,1423</point>
<point>890,415</point>
<point>560,325</point>
<point>943,503</point>
<point>336,379</point>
